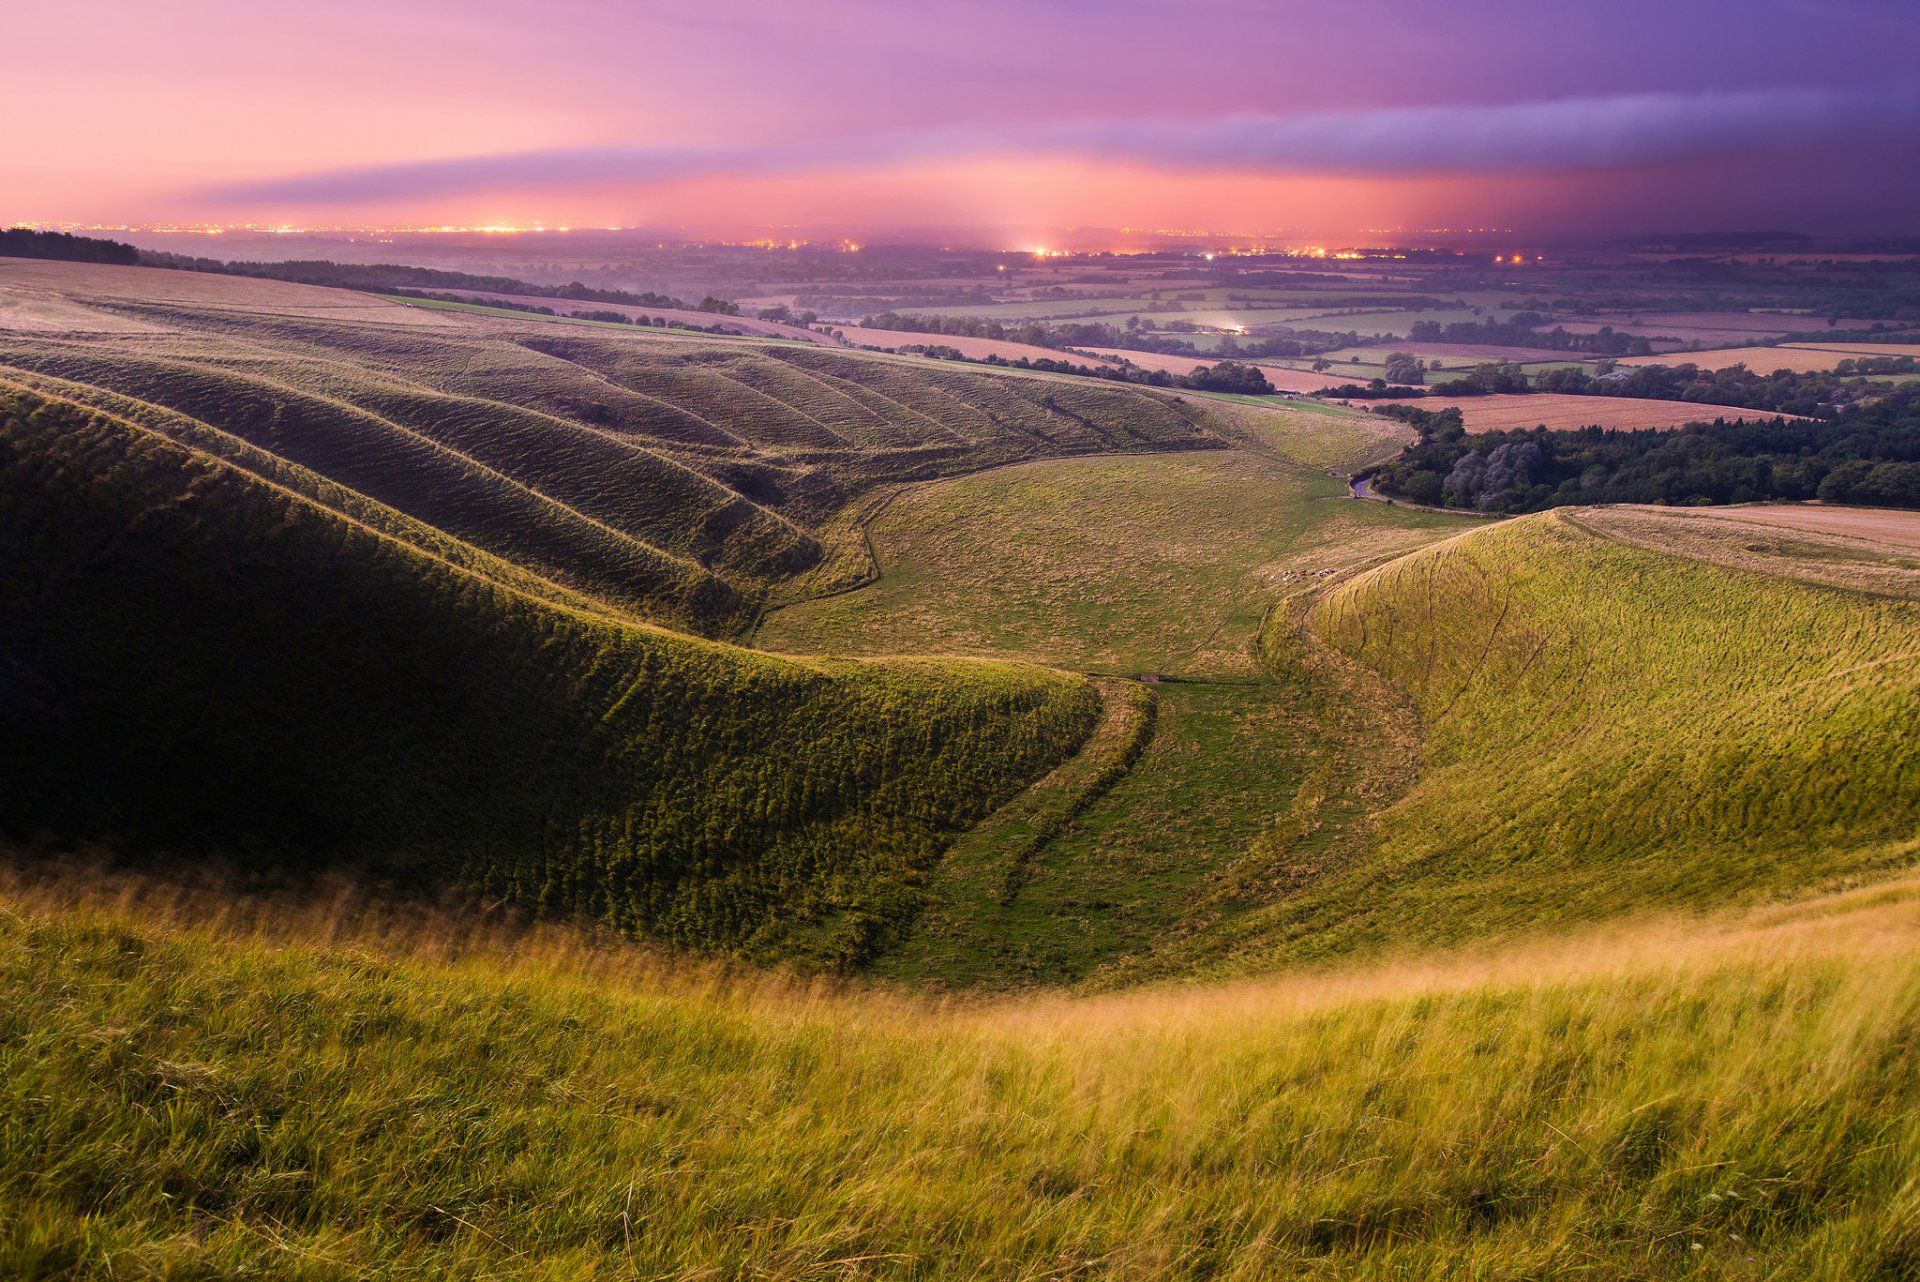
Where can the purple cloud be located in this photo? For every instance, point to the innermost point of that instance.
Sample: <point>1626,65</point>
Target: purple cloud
<point>1565,135</point>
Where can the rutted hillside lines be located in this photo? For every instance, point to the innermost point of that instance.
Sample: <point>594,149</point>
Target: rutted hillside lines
<point>409,470</point>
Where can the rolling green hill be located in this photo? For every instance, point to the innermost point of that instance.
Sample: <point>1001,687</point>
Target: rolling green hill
<point>1608,728</point>
<point>679,479</point>
<point>215,661</point>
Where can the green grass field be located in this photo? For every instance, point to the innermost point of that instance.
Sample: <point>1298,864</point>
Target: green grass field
<point>288,1094</point>
<point>1610,729</point>
<point>1120,854</point>
<point>1131,567</point>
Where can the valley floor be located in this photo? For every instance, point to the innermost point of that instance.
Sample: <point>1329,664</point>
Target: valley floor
<point>1155,572</point>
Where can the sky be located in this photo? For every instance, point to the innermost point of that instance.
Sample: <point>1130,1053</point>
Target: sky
<point>1553,117</point>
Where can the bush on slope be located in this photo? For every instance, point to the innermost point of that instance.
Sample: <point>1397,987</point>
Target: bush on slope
<point>194,659</point>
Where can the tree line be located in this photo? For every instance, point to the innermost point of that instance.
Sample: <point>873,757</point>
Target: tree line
<point>1867,454</point>
<point>24,242</point>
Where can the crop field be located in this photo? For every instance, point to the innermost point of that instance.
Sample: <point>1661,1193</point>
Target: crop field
<point>973,349</point>
<point>1519,410</point>
<point>1456,356</point>
<point>1801,358</point>
<point>737,324</point>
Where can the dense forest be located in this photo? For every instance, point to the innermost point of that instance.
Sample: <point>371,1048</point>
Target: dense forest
<point>1867,454</point>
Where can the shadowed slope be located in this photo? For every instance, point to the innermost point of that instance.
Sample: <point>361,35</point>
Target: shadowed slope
<point>213,660</point>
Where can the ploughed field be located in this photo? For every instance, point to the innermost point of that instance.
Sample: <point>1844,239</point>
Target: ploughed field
<point>1513,899</point>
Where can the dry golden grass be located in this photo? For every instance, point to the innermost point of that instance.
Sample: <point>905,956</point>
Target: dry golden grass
<point>208,1085</point>
<point>93,285</point>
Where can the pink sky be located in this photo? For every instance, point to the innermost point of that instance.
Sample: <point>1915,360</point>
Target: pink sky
<point>1260,113</point>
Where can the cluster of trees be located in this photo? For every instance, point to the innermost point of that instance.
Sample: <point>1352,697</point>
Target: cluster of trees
<point>781,314</point>
<point>1519,331</point>
<point>1869,453</point>
<point>23,242</point>
<point>1878,365</point>
<point>1784,391</point>
<point>1810,395</point>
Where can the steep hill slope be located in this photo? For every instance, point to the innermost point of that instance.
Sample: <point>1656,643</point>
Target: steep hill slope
<point>220,654</point>
<point>668,477</point>
<point>1611,727</point>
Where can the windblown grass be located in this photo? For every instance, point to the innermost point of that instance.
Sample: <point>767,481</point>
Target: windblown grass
<point>209,1089</point>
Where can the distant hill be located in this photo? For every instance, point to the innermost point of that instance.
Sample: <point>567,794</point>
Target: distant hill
<point>673,478</point>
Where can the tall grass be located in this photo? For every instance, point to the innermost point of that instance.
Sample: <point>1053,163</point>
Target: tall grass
<point>199,1087</point>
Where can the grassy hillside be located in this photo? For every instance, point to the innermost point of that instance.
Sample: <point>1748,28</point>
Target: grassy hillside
<point>295,1097</point>
<point>1154,565</point>
<point>674,478</point>
<point>1610,728</point>
<point>211,660</point>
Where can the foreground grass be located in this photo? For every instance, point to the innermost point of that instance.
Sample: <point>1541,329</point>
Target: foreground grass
<point>284,1096</point>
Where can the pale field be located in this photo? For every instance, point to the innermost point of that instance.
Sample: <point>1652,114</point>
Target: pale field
<point>1524,410</point>
<point>1867,549</point>
<point>561,306</point>
<point>1284,379</point>
<point>1864,348</point>
<point>974,349</point>
<point>1801,358</point>
<point>82,284</point>
<point>1455,355</point>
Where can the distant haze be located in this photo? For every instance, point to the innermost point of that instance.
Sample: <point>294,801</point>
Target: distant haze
<point>1635,115</point>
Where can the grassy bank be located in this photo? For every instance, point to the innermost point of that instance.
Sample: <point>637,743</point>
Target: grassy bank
<point>1610,728</point>
<point>287,1095</point>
